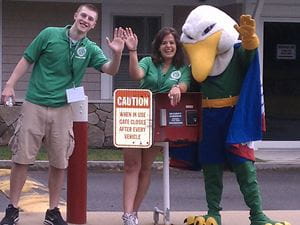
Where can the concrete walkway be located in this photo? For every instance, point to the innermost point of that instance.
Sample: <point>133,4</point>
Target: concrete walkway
<point>146,218</point>
<point>267,159</point>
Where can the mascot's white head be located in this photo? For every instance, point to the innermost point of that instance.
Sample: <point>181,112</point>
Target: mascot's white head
<point>208,36</point>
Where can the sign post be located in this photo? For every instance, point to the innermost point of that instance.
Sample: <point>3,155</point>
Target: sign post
<point>132,118</point>
<point>77,170</point>
<point>174,124</point>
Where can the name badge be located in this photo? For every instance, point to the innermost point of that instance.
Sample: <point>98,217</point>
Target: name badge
<point>75,94</point>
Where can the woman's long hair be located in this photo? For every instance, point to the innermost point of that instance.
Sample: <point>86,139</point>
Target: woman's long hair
<point>178,59</point>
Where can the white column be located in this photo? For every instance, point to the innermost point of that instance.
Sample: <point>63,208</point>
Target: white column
<point>106,27</point>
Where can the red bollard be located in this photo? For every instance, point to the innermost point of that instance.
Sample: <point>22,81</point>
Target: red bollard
<point>77,170</point>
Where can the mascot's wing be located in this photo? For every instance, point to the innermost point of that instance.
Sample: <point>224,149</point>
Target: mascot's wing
<point>247,31</point>
<point>208,36</point>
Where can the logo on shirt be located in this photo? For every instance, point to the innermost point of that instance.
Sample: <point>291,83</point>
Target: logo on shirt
<point>175,75</point>
<point>81,51</point>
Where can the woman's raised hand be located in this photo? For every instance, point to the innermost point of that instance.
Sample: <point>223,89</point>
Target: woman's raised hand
<point>131,39</point>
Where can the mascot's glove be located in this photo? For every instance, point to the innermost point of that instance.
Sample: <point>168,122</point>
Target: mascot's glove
<point>247,31</point>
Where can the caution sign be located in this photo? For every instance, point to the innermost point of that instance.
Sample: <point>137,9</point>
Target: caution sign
<point>132,118</point>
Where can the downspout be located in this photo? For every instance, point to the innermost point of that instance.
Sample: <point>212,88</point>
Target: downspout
<point>258,8</point>
<point>256,14</point>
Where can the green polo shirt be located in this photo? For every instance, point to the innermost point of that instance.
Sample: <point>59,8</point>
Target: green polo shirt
<point>58,65</point>
<point>159,82</point>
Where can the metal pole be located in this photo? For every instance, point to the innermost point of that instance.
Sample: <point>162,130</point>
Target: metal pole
<point>166,181</point>
<point>166,186</point>
<point>77,170</point>
<point>258,9</point>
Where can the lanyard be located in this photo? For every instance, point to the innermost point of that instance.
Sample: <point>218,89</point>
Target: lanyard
<point>72,52</point>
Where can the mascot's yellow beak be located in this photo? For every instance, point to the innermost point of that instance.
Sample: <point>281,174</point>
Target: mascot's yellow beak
<point>202,55</point>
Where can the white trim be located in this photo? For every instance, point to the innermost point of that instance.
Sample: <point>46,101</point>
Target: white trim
<point>106,80</point>
<point>109,10</point>
<point>273,145</point>
<point>280,19</point>
<point>258,9</point>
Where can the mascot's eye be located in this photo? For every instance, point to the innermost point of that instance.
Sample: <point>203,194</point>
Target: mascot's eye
<point>189,37</point>
<point>207,29</point>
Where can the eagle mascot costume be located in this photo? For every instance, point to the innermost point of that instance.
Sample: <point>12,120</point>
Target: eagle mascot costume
<point>224,60</point>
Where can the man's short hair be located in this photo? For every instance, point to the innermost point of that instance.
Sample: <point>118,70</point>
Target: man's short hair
<point>89,6</point>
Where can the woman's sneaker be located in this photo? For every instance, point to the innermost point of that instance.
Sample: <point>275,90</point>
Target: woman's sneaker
<point>11,216</point>
<point>53,217</point>
<point>136,218</point>
<point>129,219</point>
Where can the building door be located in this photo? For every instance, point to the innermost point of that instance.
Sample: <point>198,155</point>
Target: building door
<point>281,78</point>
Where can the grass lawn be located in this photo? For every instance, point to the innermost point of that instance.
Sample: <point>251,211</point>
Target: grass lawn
<point>93,154</point>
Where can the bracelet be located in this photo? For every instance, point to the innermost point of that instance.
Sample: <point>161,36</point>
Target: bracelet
<point>176,85</point>
<point>132,50</point>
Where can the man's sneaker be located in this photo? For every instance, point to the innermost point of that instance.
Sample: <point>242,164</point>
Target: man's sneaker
<point>129,219</point>
<point>11,216</point>
<point>53,217</point>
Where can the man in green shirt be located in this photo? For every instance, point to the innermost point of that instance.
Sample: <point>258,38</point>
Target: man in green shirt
<point>60,56</point>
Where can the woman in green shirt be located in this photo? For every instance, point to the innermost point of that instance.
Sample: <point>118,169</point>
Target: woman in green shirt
<point>163,71</point>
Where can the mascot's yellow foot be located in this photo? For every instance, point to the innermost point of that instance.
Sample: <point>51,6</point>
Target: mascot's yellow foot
<point>202,220</point>
<point>270,223</point>
<point>194,220</point>
<point>262,219</point>
<point>211,221</point>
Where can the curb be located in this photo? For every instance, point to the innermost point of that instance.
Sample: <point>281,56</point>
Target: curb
<point>118,165</point>
<point>92,165</point>
<point>277,165</point>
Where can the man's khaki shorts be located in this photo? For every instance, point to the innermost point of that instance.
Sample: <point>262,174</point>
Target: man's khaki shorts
<point>37,125</point>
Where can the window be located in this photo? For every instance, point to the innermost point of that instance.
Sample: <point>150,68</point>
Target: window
<point>145,27</point>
